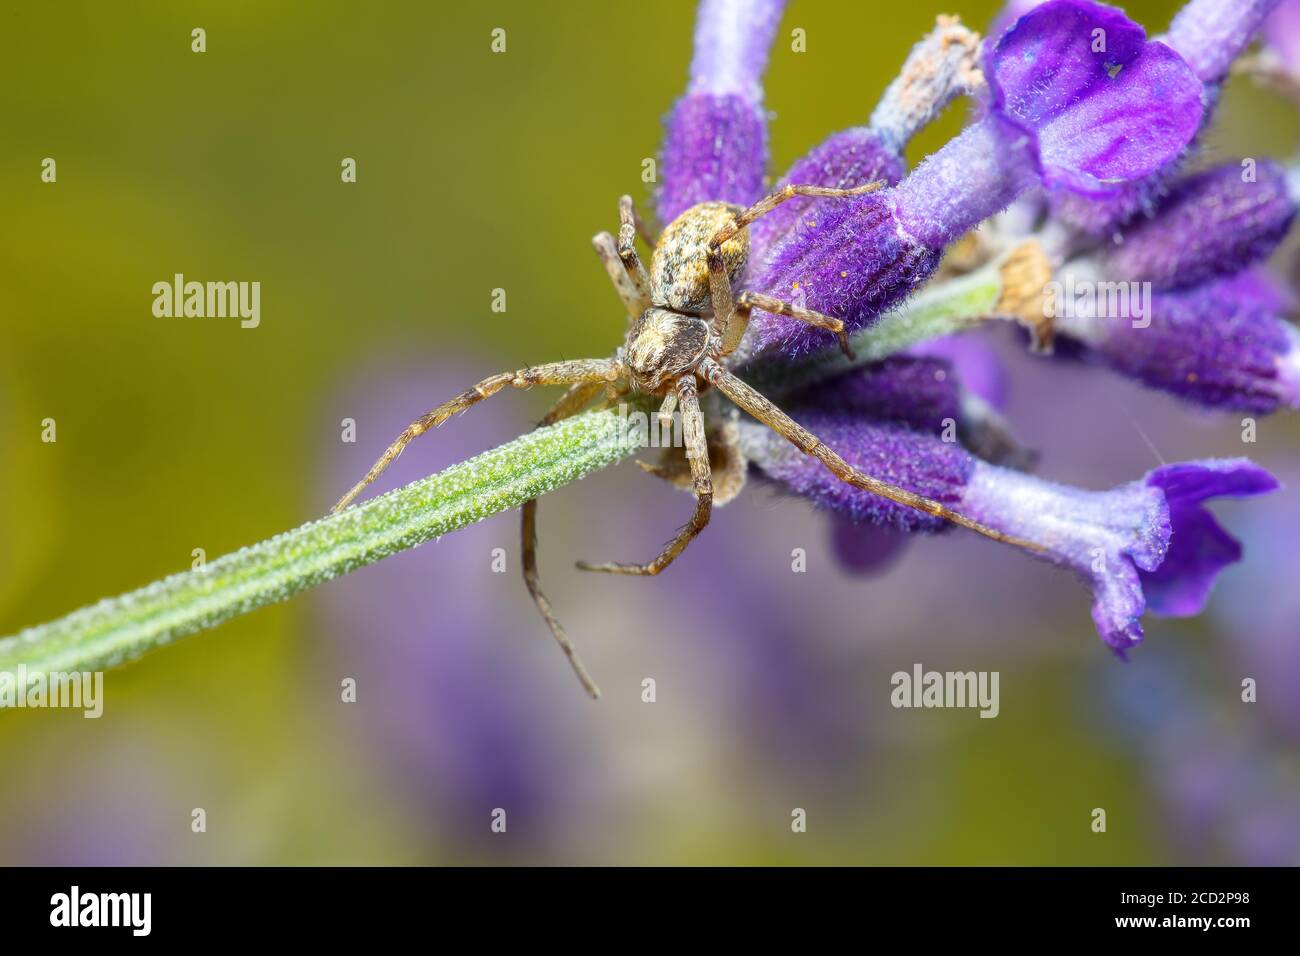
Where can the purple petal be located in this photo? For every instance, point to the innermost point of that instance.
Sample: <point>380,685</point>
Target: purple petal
<point>1199,548</point>
<point>1103,105</point>
<point>716,145</point>
<point>1121,542</point>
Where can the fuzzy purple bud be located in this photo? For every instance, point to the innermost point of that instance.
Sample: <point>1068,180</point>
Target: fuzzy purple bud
<point>1223,344</point>
<point>853,157</point>
<point>941,67</point>
<point>914,392</point>
<point>911,460</point>
<point>1213,224</point>
<point>716,145</point>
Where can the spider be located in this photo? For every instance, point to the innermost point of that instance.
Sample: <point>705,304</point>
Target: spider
<point>684,324</point>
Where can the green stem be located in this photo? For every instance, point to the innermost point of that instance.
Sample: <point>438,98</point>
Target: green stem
<point>122,628</point>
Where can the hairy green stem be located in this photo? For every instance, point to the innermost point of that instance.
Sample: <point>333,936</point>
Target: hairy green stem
<point>122,628</point>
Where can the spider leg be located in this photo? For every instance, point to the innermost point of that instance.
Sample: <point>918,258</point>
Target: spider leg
<point>748,301</point>
<point>570,403</point>
<point>603,371</point>
<point>642,227</point>
<point>627,229</point>
<point>731,313</point>
<point>697,453</point>
<point>766,412</point>
<point>634,301</point>
<point>775,198</point>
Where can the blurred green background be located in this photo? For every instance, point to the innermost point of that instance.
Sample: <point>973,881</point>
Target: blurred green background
<point>479,171</point>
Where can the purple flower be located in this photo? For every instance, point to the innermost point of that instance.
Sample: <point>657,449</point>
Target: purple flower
<point>1222,344</point>
<point>1147,544</point>
<point>1213,224</point>
<point>1208,35</point>
<point>716,148</point>
<point>1063,112</point>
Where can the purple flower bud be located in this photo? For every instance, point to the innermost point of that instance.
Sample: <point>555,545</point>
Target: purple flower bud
<point>1146,543</point>
<point>941,67</point>
<point>1222,344</point>
<point>853,157</point>
<point>1210,34</point>
<point>918,393</point>
<point>716,147</point>
<point>856,263</point>
<point>1213,224</point>
<point>1080,100</point>
<point>866,549</point>
<point>918,462</point>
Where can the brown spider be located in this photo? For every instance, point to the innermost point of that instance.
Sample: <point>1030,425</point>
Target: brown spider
<point>685,322</point>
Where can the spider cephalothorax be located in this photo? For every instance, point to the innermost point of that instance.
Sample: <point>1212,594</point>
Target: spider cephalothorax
<point>684,324</point>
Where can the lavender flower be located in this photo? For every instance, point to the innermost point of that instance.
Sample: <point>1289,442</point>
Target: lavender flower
<point>1212,224</point>
<point>1148,544</point>
<point>1208,35</point>
<point>717,133</point>
<point>1062,113</point>
<point>1223,344</point>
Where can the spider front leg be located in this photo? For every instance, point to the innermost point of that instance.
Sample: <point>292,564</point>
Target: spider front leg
<point>774,199</point>
<point>764,411</point>
<point>731,315</point>
<point>603,371</point>
<point>697,453</point>
<point>635,300</point>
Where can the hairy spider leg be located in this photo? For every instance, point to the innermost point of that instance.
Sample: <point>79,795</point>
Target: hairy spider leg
<point>569,404</point>
<point>731,314</point>
<point>766,412</point>
<point>697,453</point>
<point>604,371</point>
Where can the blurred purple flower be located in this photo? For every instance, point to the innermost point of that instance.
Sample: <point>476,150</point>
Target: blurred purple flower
<point>447,690</point>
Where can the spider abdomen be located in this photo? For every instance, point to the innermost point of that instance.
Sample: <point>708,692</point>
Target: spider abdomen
<point>679,271</point>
